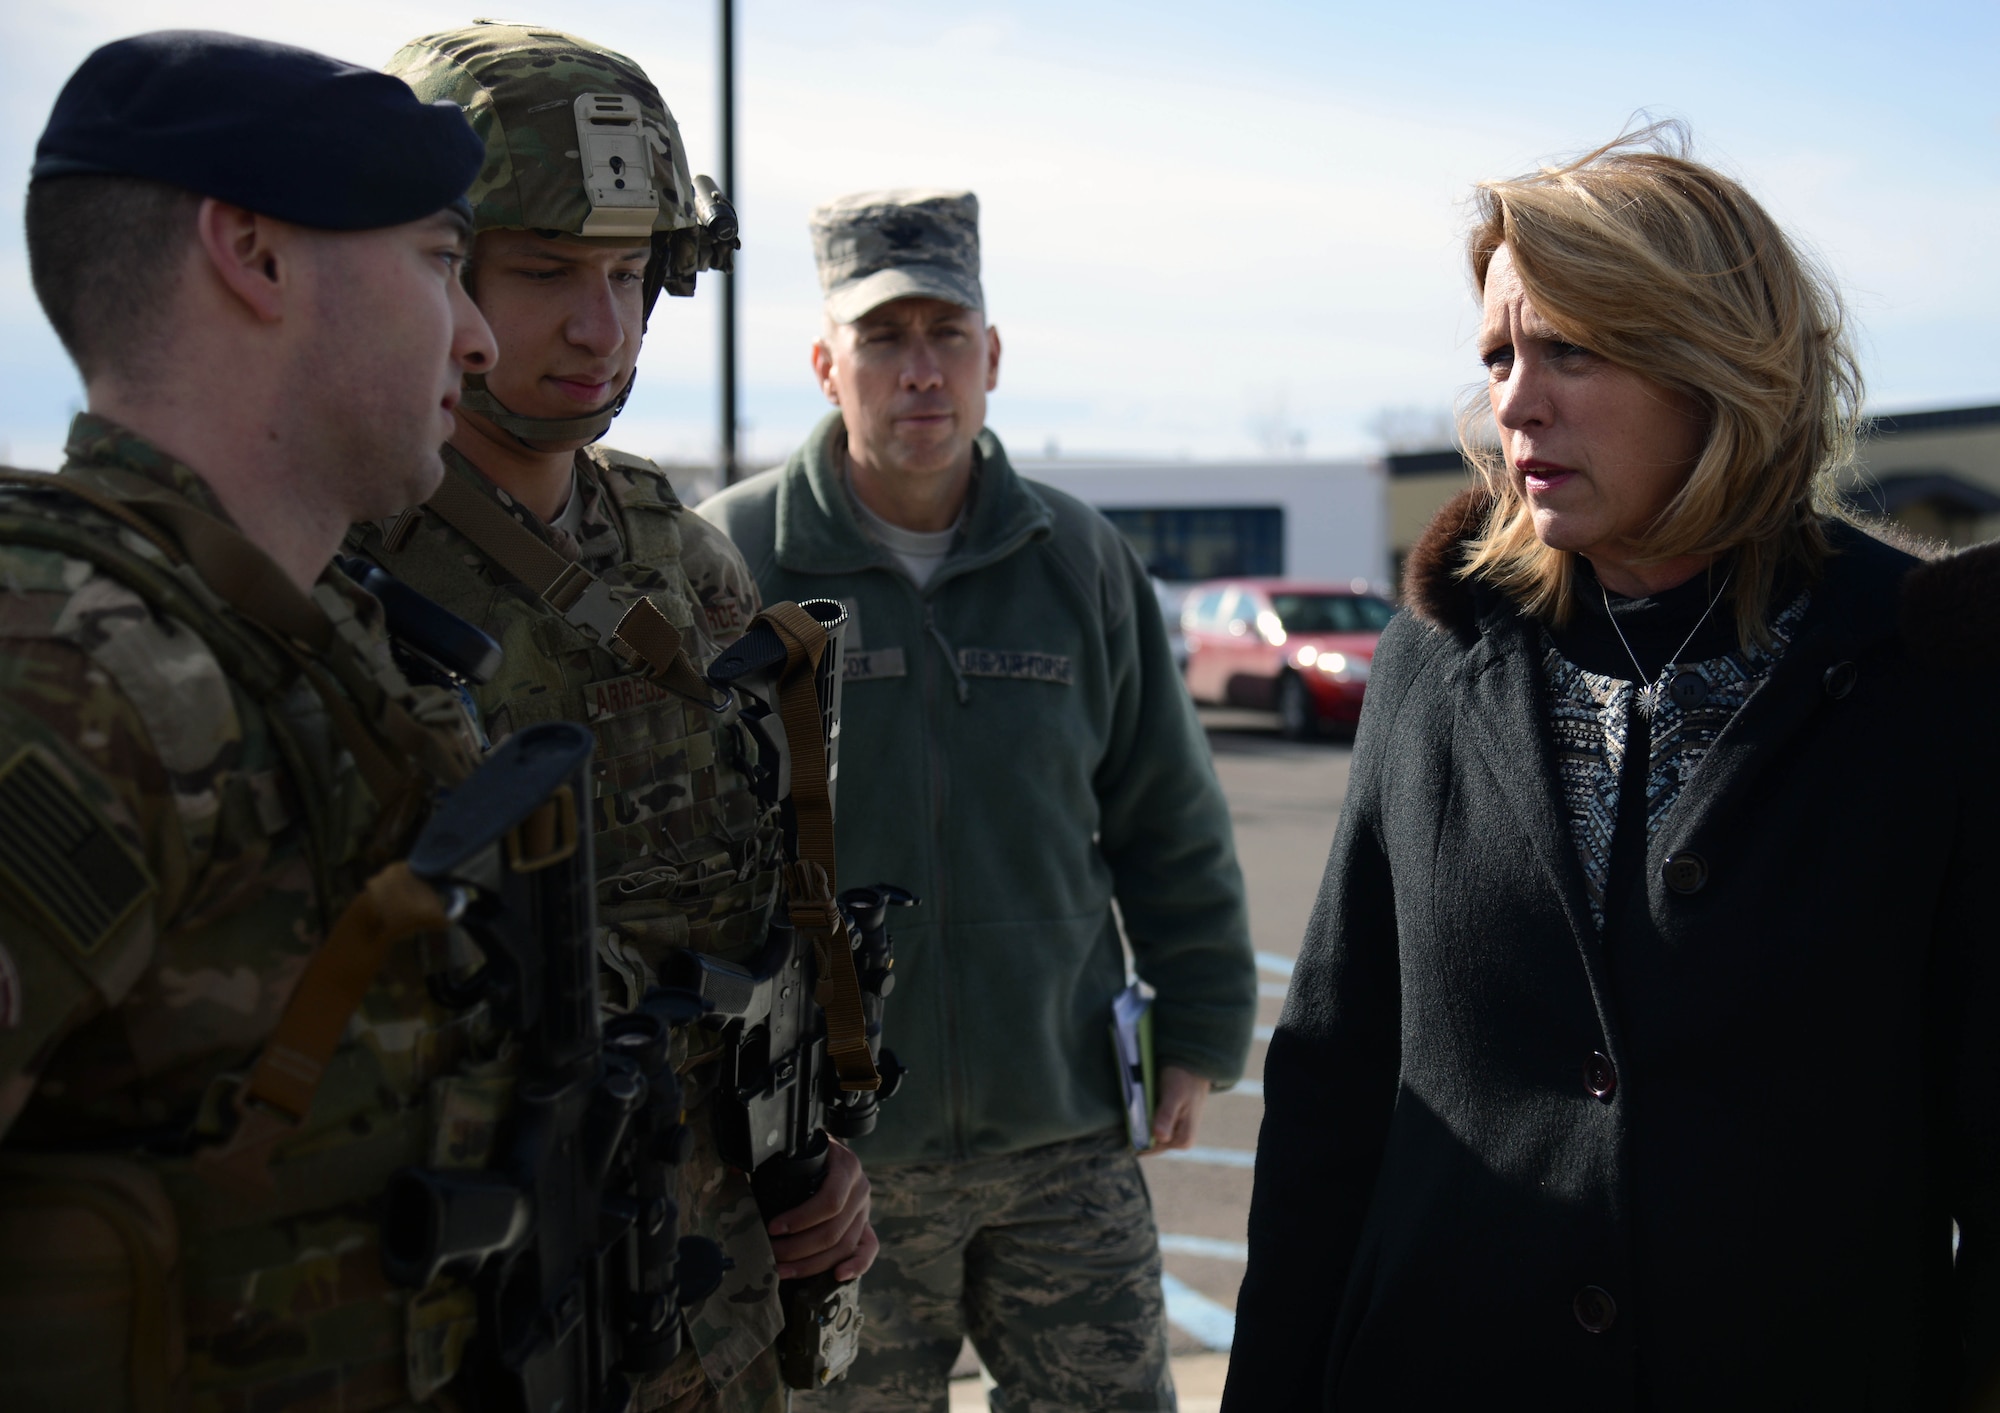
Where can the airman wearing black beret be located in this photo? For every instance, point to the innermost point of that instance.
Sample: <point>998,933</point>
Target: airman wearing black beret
<point>252,252</point>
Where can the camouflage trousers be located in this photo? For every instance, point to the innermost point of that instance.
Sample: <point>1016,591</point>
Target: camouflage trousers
<point>1048,1259</point>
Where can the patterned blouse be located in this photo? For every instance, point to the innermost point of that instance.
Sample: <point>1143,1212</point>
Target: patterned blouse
<point>1590,715</point>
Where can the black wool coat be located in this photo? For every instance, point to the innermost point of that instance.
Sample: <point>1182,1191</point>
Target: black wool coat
<point>1711,1162</point>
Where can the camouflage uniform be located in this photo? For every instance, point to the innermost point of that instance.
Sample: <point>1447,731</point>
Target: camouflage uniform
<point>181,819</point>
<point>687,856</point>
<point>1063,1298</point>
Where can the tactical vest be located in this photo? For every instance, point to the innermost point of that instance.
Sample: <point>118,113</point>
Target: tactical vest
<point>687,855</point>
<point>137,1279</point>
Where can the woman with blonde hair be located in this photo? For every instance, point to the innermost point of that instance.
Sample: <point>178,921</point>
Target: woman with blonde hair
<point>1645,1045</point>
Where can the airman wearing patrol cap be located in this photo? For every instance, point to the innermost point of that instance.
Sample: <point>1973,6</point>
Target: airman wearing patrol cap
<point>251,252</point>
<point>876,247</point>
<point>1005,643</point>
<point>585,212</point>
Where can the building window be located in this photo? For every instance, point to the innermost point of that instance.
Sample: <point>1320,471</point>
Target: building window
<point>1206,542</point>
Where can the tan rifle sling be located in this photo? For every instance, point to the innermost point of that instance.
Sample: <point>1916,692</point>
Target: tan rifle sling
<point>638,632</point>
<point>393,907</point>
<point>811,882</point>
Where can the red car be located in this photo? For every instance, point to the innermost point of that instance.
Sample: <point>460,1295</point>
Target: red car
<point>1300,649</point>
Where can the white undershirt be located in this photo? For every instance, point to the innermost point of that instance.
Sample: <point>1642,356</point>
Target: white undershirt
<point>570,518</point>
<point>920,552</point>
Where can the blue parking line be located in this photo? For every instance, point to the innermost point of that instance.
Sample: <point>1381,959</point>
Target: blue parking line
<point>1176,1245</point>
<point>1214,1325</point>
<point>1214,1157</point>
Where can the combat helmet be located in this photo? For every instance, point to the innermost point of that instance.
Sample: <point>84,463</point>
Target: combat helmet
<point>578,142</point>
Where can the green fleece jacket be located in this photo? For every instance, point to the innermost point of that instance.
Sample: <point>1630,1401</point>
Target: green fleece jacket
<point>1016,749</point>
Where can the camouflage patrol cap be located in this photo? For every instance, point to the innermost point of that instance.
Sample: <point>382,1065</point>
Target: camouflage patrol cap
<point>876,246</point>
<point>578,140</point>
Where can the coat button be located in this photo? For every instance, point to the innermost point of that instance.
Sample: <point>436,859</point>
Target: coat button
<point>1599,1076</point>
<point>1839,679</point>
<point>1594,1308</point>
<point>1685,872</point>
<point>1688,689</point>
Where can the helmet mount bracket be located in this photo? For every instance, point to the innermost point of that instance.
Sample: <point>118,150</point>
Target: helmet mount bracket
<point>617,156</point>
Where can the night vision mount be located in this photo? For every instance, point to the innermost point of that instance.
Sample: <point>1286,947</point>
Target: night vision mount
<point>617,148</point>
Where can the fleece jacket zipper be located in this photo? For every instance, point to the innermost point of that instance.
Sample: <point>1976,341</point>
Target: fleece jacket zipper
<point>933,726</point>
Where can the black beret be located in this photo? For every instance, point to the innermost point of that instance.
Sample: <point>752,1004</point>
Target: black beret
<point>281,131</point>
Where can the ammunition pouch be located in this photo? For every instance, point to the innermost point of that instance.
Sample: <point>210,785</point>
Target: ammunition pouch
<point>90,1294</point>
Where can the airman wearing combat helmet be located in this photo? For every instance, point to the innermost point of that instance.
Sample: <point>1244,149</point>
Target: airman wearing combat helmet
<point>585,211</point>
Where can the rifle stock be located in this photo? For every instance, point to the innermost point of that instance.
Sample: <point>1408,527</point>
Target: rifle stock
<point>787,1082</point>
<point>778,1097</point>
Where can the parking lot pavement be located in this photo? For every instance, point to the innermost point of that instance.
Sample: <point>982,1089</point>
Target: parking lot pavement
<point>1284,800</point>
<point>1197,1380</point>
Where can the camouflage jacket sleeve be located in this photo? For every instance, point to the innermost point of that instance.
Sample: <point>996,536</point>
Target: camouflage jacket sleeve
<point>92,845</point>
<point>722,584</point>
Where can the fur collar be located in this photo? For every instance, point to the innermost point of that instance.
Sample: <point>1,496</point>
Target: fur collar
<point>1949,608</point>
<point>1431,586</point>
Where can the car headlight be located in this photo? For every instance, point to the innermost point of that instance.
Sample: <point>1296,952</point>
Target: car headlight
<point>1342,668</point>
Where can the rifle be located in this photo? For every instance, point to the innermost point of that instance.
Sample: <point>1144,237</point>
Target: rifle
<point>432,645</point>
<point>429,642</point>
<point>801,1026</point>
<point>570,1240</point>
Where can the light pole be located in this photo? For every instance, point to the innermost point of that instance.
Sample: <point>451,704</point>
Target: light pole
<point>726,60</point>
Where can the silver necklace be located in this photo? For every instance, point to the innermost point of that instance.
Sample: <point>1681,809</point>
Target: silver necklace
<point>1649,695</point>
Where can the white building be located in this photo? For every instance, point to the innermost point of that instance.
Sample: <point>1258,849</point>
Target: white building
<point>1189,520</point>
<point>1337,521</point>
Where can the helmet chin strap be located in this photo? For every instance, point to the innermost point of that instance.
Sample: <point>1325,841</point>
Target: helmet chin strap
<point>530,430</point>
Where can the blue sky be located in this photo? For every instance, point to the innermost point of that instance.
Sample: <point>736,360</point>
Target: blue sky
<point>1202,222</point>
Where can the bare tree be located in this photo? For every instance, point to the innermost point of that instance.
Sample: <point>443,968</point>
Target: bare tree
<point>1414,428</point>
<point>1271,426</point>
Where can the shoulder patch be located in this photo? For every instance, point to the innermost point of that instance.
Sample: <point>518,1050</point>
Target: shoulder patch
<point>721,581</point>
<point>635,481</point>
<point>60,856</point>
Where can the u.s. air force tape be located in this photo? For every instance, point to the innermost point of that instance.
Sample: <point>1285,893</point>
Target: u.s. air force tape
<point>1054,668</point>
<point>62,858</point>
<point>1021,666</point>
